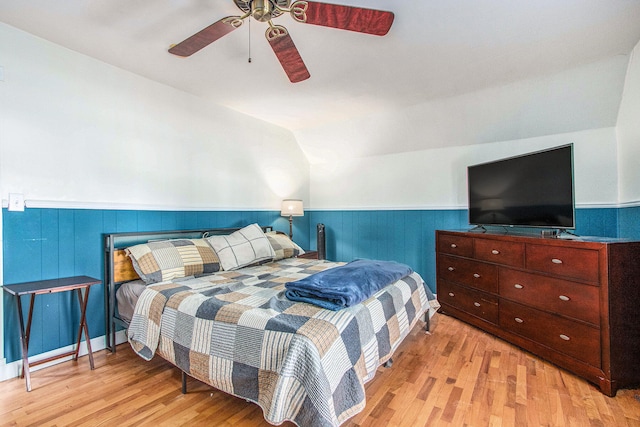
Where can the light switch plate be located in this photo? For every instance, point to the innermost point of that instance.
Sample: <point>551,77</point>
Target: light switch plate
<point>16,202</point>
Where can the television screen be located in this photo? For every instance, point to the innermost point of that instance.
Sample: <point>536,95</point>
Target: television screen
<point>532,190</point>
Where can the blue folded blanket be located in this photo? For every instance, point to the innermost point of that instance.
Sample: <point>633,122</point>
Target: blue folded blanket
<point>347,285</point>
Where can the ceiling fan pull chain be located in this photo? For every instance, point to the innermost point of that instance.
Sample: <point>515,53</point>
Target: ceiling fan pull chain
<point>249,19</point>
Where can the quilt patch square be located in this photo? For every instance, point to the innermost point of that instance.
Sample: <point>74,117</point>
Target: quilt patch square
<point>246,381</point>
<point>248,346</point>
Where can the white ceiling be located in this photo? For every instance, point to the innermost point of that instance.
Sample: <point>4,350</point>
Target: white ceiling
<point>438,54</point>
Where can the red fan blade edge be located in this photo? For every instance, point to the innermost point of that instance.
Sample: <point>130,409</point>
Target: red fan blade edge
<point>287,53</point>
<point>206,36</point>
<point>369,21</point>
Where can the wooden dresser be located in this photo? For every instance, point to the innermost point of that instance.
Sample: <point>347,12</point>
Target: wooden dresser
<point>574,303</point>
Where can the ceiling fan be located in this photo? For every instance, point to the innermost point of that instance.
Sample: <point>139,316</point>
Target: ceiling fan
<point>350,18</point>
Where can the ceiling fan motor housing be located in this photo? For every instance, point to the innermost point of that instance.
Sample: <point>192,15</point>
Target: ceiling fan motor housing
<point>262,10</point>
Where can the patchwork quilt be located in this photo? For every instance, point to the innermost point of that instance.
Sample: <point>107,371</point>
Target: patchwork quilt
<point>236,331</point>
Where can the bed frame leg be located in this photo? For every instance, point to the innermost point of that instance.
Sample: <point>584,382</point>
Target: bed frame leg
<point>427,322</point>
<point>388,363</point>
<point>184,383</point>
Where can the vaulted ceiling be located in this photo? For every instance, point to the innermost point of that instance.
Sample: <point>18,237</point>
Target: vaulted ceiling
<point>452,72</point>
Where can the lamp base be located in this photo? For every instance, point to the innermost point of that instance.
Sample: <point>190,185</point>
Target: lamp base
<point>291,227</point>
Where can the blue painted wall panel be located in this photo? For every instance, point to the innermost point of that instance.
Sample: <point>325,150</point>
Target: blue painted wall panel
<point>629,222</point>
<point>22,245</point>
<point>110,220</point>
<point>50,242</point>
<point>597,222</point>
<point>66,244</point>
<point>150,220</point>
<point>126,221</point>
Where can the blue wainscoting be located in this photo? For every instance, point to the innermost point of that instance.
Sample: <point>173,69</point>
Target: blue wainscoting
<point>49,243</point>
<point>43,244</point>
<point>629,222</point>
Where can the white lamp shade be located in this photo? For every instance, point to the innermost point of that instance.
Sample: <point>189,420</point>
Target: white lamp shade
<point>292,207</point>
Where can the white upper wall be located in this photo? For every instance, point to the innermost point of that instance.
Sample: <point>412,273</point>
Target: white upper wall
<point>585,97</point>
<point>577,106</point>
<point>436,179</point>
<point>628,130</point>
<point>75,131</point>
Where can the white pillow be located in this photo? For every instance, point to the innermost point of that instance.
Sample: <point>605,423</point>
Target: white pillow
<point>246,246</point>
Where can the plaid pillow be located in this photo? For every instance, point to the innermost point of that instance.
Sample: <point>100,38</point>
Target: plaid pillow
<point>172,259</point>
<point>283,246</point>
<point>241,248</point>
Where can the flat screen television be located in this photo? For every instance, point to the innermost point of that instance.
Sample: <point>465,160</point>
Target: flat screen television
<point>530,190</point>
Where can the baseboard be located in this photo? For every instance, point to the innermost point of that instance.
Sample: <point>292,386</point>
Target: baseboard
<point>14,369</point>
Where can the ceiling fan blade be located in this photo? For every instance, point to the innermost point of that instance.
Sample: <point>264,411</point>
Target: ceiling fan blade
<point>369,21</point>
<point>206,36</point>
<point>287,53</point>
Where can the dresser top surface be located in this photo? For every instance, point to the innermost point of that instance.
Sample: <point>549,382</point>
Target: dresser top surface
<point>523,236</point>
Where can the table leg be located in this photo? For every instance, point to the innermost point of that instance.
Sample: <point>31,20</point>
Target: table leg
<point>32,301</point>
<point>24,343</point>
<point>83,325</point>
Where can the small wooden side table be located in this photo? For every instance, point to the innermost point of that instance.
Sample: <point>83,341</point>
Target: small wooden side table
<point>76,283</point>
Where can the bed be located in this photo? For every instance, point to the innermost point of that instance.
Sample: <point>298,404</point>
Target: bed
<point>236,330</point>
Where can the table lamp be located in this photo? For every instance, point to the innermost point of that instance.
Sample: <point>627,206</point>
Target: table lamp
<point>291,208</point>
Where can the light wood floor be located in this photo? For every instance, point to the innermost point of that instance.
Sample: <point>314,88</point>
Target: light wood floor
<point>456,376</point>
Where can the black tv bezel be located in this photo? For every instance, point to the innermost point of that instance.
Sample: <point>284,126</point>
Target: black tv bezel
<point>530,154</point>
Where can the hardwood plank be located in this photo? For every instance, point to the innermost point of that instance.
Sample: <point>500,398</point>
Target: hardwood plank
<point>457,375</point>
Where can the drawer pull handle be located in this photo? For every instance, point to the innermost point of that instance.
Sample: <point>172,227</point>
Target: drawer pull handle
<point>518,320</point>
<point>564,337</point>
<point>476,275</point>
<point>495,252</point>
<point>477,304</point>
<point>453,245</point>
<point>518,286</point>
<point>564,298</point>
<point>451,294</point>
<point>450,268</point>
<point>556,261</point>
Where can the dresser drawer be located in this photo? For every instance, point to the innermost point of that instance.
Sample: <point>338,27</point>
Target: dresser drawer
<point>456,245</point>
<point>555,295</point>
<point>501,252</point>
<point>572,338</point>
<point>477,303</point>
<point>476,274</point>
<point>575,263</point>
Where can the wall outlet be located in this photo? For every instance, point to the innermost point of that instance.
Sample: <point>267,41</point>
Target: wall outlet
<point>16,202</point>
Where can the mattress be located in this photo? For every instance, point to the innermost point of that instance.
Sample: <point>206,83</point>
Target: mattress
<point>126,297</point>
